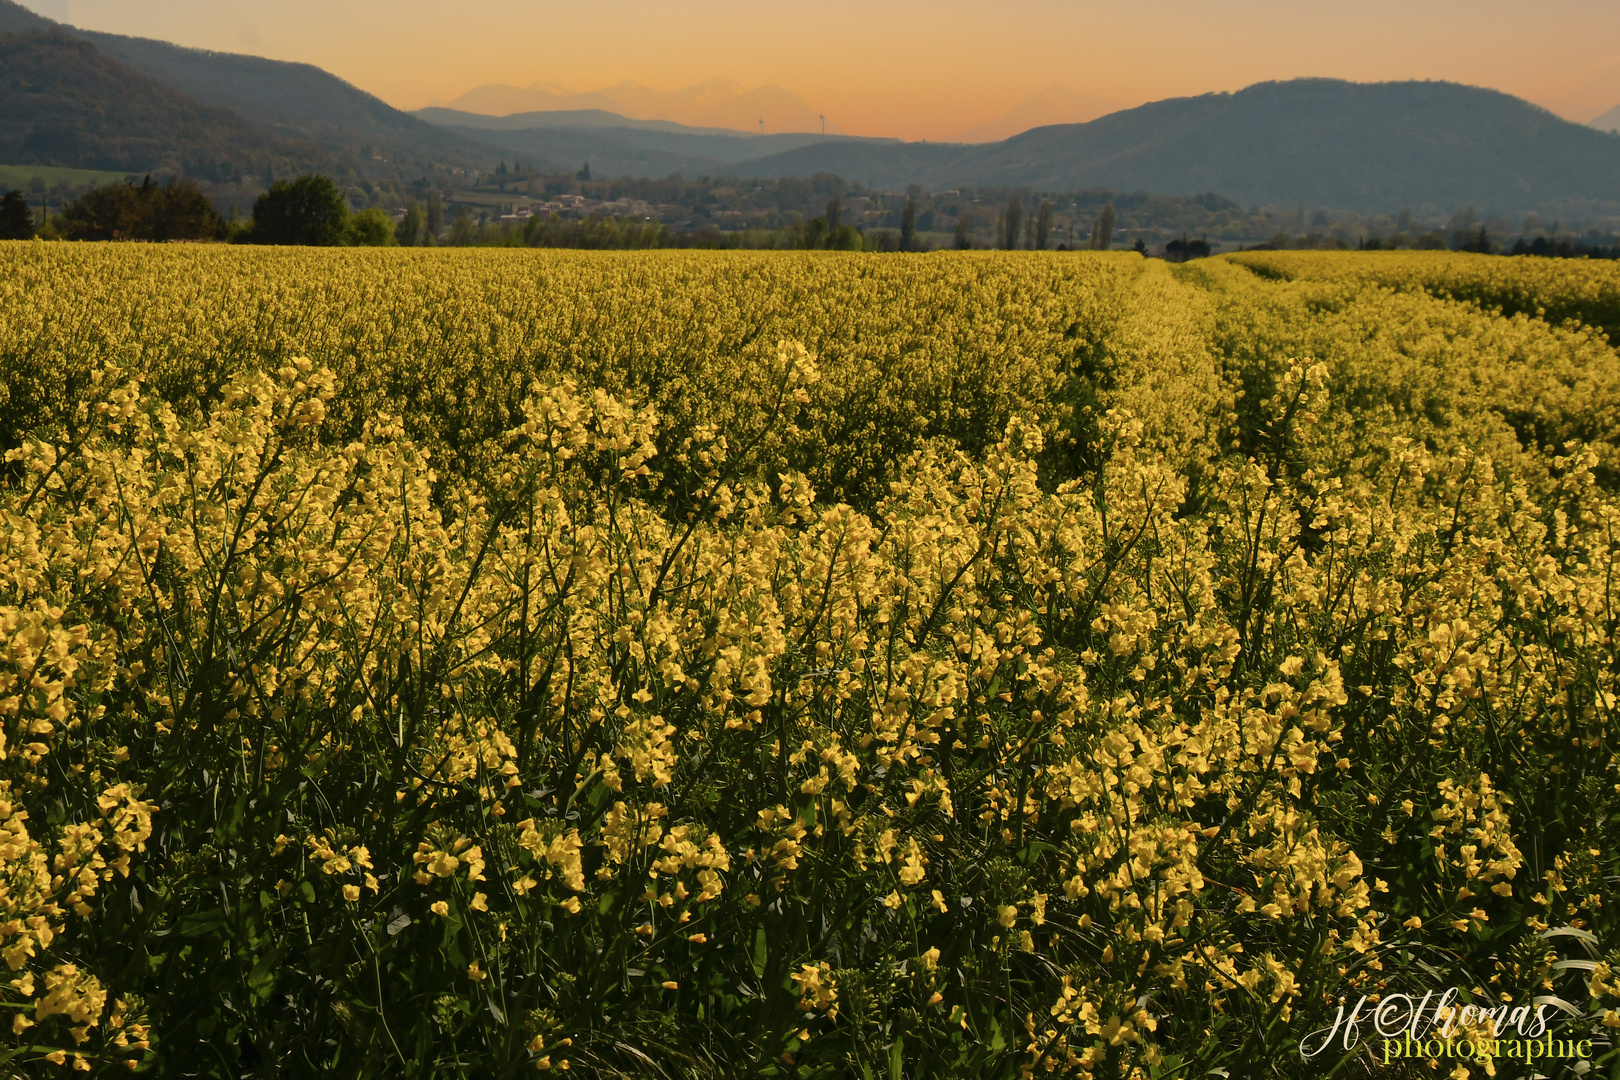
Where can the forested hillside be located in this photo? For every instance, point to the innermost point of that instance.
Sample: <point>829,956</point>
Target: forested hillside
<point>62,102</point>
<point>298,102</point>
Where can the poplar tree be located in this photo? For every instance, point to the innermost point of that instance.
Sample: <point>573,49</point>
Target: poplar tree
<point>435,218</point>
<point>1105,229</point>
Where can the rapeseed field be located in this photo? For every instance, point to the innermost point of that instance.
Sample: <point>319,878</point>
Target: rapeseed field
<point>473,663</point>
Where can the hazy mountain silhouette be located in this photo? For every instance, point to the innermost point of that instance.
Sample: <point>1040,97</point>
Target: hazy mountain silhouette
<point>1609,121</point>
<point>715,103</point>
<point>440,116</point>
<point>62,102</point>
<point>1053,104</point>
<point>614,145</point>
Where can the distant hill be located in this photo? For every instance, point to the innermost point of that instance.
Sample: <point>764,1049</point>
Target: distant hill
<point>882,165</point>
<point>618,146</point>
<point>293,100</point>
<point>716,103</point>
<point>63,103</point>
<point>1609,121</point>
<point>1432,146</point>
<point>1328,143</point>
<point>1053,104</point>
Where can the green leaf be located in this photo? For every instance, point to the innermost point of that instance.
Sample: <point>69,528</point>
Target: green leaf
<point>200,923</point>
<point>262,979</point>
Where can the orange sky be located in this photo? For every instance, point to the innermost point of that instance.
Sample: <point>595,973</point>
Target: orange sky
<point>901,67</point>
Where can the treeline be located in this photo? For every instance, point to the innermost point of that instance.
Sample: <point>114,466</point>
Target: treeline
<point>916,217</point>
<point>609,233</point>
<point>309,210</point>
<point>1551,248</point>
<point>1478,241</point>
<point>312,210</point>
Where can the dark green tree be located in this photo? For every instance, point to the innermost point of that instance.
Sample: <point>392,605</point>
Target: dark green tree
<point>177,210</point>
<point>1479,243</point>
<point>1043,226</point>
<point>815,233</point>
<point>410,231</point>
<point>908,226</point>
<point>308,210</point>
<point>835,214</point>
<point>1015,219</point>
<point>1183,249</point>
<point>964,228</point>
<point>584,173</point>
<point>16,220</point>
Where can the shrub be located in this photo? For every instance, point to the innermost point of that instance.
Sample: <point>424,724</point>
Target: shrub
<point>372,227</point>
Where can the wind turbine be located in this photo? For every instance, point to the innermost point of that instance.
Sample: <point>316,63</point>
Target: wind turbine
<point>762,125</point>
<point>824,123</point>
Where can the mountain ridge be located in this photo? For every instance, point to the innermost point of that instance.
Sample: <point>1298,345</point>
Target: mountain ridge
<point>614,145</point>
<point>716,102</point>
<point>444,116</point>
<point>1326,142</point>
<point>1052,104</point>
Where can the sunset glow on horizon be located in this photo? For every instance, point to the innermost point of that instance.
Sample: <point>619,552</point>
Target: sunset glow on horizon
<point>903,68</point>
